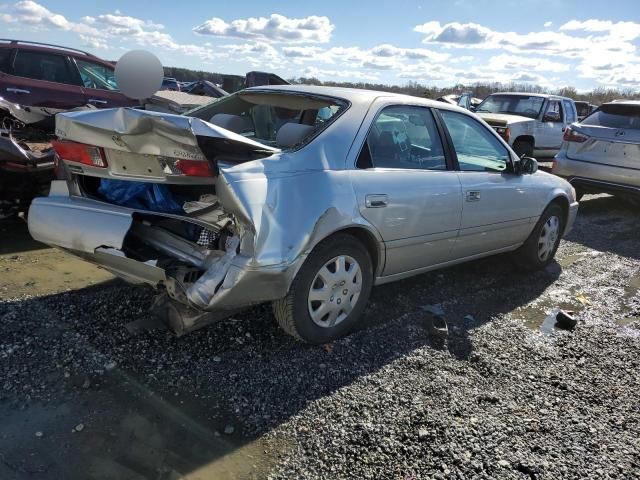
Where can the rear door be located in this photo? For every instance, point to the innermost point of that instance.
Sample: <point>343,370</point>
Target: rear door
<point>406,190</point>
<point>497,205</point>
<point>43,79</point>
<point>99,85</point>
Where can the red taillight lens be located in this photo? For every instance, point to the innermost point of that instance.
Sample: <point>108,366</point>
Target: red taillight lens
<point>80,153</point>
<point>193,168</point>
<point>573,136</point>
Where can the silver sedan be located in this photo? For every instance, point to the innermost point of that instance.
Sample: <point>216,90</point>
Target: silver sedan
<point>297,195</point>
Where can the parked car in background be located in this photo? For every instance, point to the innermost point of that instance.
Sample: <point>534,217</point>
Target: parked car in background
<point>584,109</point>
<point>170,84</point>
<point>298,195</point>
<point>602,153</point>
<point>57,78</point>
<point>532,123</point>
<point>465,100</point>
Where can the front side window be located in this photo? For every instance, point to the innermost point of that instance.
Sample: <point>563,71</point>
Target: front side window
<point>403,137</point>
<point>525,105</point>
<point>42,66</point>
<point>477,149</point>
<point>276,119</point>
<point>554,112</point>
<point>98,76</point>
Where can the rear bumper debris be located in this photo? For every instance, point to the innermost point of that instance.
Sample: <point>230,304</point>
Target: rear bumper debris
<point>98,232</point>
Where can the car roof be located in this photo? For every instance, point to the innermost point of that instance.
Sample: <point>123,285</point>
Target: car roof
<point>528,94</point>
<point>353,94</point>
<point>624,102</point>
<point>47,47</point>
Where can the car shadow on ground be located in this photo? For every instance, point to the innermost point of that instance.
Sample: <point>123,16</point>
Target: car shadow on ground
<point>15,238</point>
<point>616,234</point>
<point>155,406</point>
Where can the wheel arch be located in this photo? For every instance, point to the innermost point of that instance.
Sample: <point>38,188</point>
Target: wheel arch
<point>526,138</point>
<point>563,202</point>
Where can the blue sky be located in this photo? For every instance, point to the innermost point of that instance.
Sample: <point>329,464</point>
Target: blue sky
<point>554,43</point>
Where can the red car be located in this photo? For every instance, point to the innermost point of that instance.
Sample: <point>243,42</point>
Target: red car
<point>42,75</point>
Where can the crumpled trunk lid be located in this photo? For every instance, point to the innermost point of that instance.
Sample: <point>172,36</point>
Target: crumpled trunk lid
<point>157,135</point>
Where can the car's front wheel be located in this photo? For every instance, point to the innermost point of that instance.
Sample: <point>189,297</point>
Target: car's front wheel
<point>540,248</point>
<point>329,294</point>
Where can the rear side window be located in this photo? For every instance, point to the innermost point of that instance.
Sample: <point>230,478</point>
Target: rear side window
<point>403,137</point>
<point>5,53</point>
<point>615,116</point>
<point>569,111</point>
<point>49,67</point>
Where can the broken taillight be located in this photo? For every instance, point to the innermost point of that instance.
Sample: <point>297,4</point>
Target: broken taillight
<point>193,168</point>
<point>80,153</point>
<point>573,136</point>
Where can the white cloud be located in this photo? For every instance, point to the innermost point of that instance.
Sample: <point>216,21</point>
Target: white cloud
<point>101,31</point>
<point>323,74</point>
<point>548,24</point>
<point>456,33</point>
<point>623,30</point>
<point>516,62</point>
<point>276,28</point>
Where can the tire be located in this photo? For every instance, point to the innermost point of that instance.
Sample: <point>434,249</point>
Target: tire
<point>532,255</point>
<point>523,148</point>
<point>294,312</point>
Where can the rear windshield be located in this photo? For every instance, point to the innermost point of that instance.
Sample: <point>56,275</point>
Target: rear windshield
<point>615,116</point>
<point>261,115</point>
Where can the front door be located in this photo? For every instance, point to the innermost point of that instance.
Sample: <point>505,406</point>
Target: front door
<point>405,189</point>
<point>100,87</point>
<point>497,204</point>
<point>550,131</point>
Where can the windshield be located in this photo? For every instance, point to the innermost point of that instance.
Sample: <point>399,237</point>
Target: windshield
<point>615,116</point>
<point>261,115</point>
<point>525,105</point>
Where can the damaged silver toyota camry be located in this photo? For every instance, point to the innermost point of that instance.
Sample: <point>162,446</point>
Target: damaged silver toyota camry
<point>301,196</point>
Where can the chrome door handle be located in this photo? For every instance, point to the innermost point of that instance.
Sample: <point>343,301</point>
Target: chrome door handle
<point>17,90</point>
<point>473,196</point>
<point>376,200</point>
<point>95,100</point>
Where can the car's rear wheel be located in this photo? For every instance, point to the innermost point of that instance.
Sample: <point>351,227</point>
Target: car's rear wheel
<point>541,246</point>
<point>329,294</point>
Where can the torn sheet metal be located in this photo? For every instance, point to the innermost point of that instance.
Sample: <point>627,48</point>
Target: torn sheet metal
<point>26,114</point>
<point>203,292</point>
<point>152,133</point>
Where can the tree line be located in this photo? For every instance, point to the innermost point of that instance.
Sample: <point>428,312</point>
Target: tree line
<point>596,96</point>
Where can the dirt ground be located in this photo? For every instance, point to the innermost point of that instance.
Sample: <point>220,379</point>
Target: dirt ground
<point>82,397</point>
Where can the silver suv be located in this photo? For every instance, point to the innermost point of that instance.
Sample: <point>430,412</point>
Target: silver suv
<point>602,153</point>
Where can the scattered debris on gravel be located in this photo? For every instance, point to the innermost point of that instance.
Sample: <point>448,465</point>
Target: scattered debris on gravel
<point>503,393</point>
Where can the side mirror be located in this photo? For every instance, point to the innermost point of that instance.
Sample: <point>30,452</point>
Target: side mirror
<point>528,165</point>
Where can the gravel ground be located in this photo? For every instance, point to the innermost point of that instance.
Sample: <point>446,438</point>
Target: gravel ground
<point>506,395</point>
